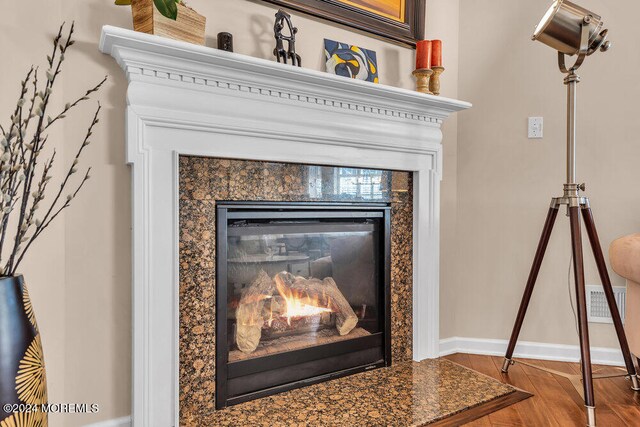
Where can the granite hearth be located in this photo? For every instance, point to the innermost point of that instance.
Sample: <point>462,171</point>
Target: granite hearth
<point>408,394</point>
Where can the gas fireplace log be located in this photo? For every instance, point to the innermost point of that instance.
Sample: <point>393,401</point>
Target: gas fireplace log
<point>282,327</point>
<point>249,316</point>
<point>346,318</point>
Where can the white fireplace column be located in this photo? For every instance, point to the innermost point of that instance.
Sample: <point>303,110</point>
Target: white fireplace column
<point>186,99</point>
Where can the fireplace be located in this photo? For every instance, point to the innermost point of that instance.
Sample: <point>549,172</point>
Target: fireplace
<point>186,100</point>
<point>303,295</point>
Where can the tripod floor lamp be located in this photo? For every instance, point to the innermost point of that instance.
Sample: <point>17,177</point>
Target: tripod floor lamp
<point>573,30</point>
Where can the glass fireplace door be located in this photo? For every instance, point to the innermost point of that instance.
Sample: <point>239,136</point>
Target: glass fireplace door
<point>302,293</point>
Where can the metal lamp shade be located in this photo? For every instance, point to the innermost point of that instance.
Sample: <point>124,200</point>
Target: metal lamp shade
<point>561,27</point>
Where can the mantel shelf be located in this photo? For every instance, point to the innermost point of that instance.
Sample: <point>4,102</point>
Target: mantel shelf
<point>141,54</point>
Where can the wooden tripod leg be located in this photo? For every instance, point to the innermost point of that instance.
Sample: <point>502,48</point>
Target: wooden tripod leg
<point>531,282</point>
<point>590,226</point>
<point>581,297</point>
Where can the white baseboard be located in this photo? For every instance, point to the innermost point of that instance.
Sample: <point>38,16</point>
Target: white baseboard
<point>529,350</point>
<point>116,422</point>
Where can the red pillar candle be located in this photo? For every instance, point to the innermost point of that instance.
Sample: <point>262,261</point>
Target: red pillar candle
<point>436,53</point>
<point>423,54</point>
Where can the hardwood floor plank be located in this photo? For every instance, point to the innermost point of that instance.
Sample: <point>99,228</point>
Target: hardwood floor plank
<point>606,388</point>
<point>562,407</point>
<point>460,359</point>
<point>606,394</point>
<point>481,422</point>
<point>606,416</point>
<point>623,385</point>
<point>611,392</point>
<point>569,368</point>
<point>485,365</point>
<point>533,411</point>
<point>629,414</point>
<point>508,416</point>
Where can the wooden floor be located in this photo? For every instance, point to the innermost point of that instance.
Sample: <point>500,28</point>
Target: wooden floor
<point>555,401</point>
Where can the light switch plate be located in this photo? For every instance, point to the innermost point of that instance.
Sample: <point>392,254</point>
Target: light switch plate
<point>536,127</point>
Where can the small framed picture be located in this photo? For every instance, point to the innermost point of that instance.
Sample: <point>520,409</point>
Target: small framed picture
<point>351,61</point>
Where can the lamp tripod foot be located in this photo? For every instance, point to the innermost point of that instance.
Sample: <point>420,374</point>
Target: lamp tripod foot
<point>635,383</point>
<point>506,364</point>
<point>591,416</point>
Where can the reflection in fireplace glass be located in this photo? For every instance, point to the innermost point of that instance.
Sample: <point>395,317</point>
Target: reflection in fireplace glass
<point>348,183</point>
<point>295,284</point>
<point>364,184</point>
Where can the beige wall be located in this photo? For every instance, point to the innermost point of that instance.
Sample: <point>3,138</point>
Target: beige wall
<point>505,181</point>
<point>79,272</point>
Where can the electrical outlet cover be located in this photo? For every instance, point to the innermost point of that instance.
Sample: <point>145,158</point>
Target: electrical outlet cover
<point>536,127</point>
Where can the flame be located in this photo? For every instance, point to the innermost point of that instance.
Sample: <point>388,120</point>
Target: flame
<point>300,304</point>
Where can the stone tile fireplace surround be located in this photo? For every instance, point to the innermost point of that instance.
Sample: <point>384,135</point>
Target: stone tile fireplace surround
<point>191,106</point>
<point>205,180</point>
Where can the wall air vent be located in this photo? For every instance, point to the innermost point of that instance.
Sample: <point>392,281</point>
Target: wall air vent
<point>597,308</point>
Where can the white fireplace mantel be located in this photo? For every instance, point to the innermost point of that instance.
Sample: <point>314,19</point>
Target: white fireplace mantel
<point>194,100</point>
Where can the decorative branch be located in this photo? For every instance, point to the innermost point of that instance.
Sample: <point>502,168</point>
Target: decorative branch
<point>68,106</point>
<point>21,193</point>
<point>8,160</point>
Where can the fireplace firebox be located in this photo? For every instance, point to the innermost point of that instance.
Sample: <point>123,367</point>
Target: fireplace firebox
<point>302,295</point>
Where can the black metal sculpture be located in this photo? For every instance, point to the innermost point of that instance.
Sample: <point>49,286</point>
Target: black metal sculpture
<point>282,19</point>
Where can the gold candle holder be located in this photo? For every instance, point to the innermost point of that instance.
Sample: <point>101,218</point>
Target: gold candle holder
<point>434,82</point>
<point>422,76</point>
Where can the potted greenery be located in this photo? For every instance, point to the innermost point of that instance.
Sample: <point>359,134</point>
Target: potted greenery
<point>27,157</point>
<point>169,18</point>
